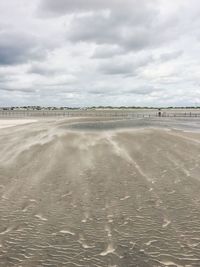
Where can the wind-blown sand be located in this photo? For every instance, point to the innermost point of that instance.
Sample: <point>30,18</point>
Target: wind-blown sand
<point>72,194</point>
<point>13,122</point>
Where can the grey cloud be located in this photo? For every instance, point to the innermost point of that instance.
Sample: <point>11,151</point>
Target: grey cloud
<point>170,56</point>
<point>107,51</point>
<point>115,28</point>
<point>130,24</point>
<point>103,91</point>
<point>5,79</point>
<point>68,6</point>
<point>127,23</point>
<point>17,89</point>
<point>145,90</point>
<point>18,48</point>
<point>95,28</point>
<point>116,91</point>
<point>116,68</point>
<point>42,70</point>
<point>124,66</point>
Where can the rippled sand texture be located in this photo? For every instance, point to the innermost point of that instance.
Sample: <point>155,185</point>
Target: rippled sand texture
<point>94,199</point>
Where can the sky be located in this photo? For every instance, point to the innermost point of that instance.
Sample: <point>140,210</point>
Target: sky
<point>80,53</point>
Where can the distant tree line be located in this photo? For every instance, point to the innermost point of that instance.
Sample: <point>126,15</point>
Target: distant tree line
<point>92,108</point>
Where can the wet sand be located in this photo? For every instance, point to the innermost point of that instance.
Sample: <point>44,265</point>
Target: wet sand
<point>89,193</point>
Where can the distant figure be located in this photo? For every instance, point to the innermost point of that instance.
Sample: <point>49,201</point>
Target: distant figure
<point>159,112</point>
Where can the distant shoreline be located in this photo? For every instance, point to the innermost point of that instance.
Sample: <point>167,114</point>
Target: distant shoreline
<point>40,108</point>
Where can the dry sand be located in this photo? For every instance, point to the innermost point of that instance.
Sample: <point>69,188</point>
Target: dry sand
<point>5,123</point>
<point>91,198</point>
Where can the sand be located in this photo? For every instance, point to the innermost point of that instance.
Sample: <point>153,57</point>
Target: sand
<point>74,194</point>
<point>5,123</point>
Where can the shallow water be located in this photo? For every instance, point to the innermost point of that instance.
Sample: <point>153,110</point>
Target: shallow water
<point>190,124</point>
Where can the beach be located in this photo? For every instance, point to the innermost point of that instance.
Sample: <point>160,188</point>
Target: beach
<point>103,193</point>
<point>5,123</point>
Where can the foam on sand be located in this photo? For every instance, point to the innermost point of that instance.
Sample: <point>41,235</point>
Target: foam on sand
<point>109,250</point>
<point>66,232</point>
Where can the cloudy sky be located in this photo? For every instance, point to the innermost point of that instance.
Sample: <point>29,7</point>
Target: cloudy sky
<point>100,52</point>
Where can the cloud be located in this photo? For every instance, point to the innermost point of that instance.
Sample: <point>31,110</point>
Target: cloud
<point>16,48</point>
<point>68,6</point>
<point>99,52</point>
<point>123,65</point>
<point>126,23</point>
<point>171,56</point>
<point>144,90</point>
<point>42,69</point>
<point>117,68</point>
<point>140,90</point>
<point>16,89</point>
<point>107,51</point>
<point>5,79</point>
<point>124,30</point>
